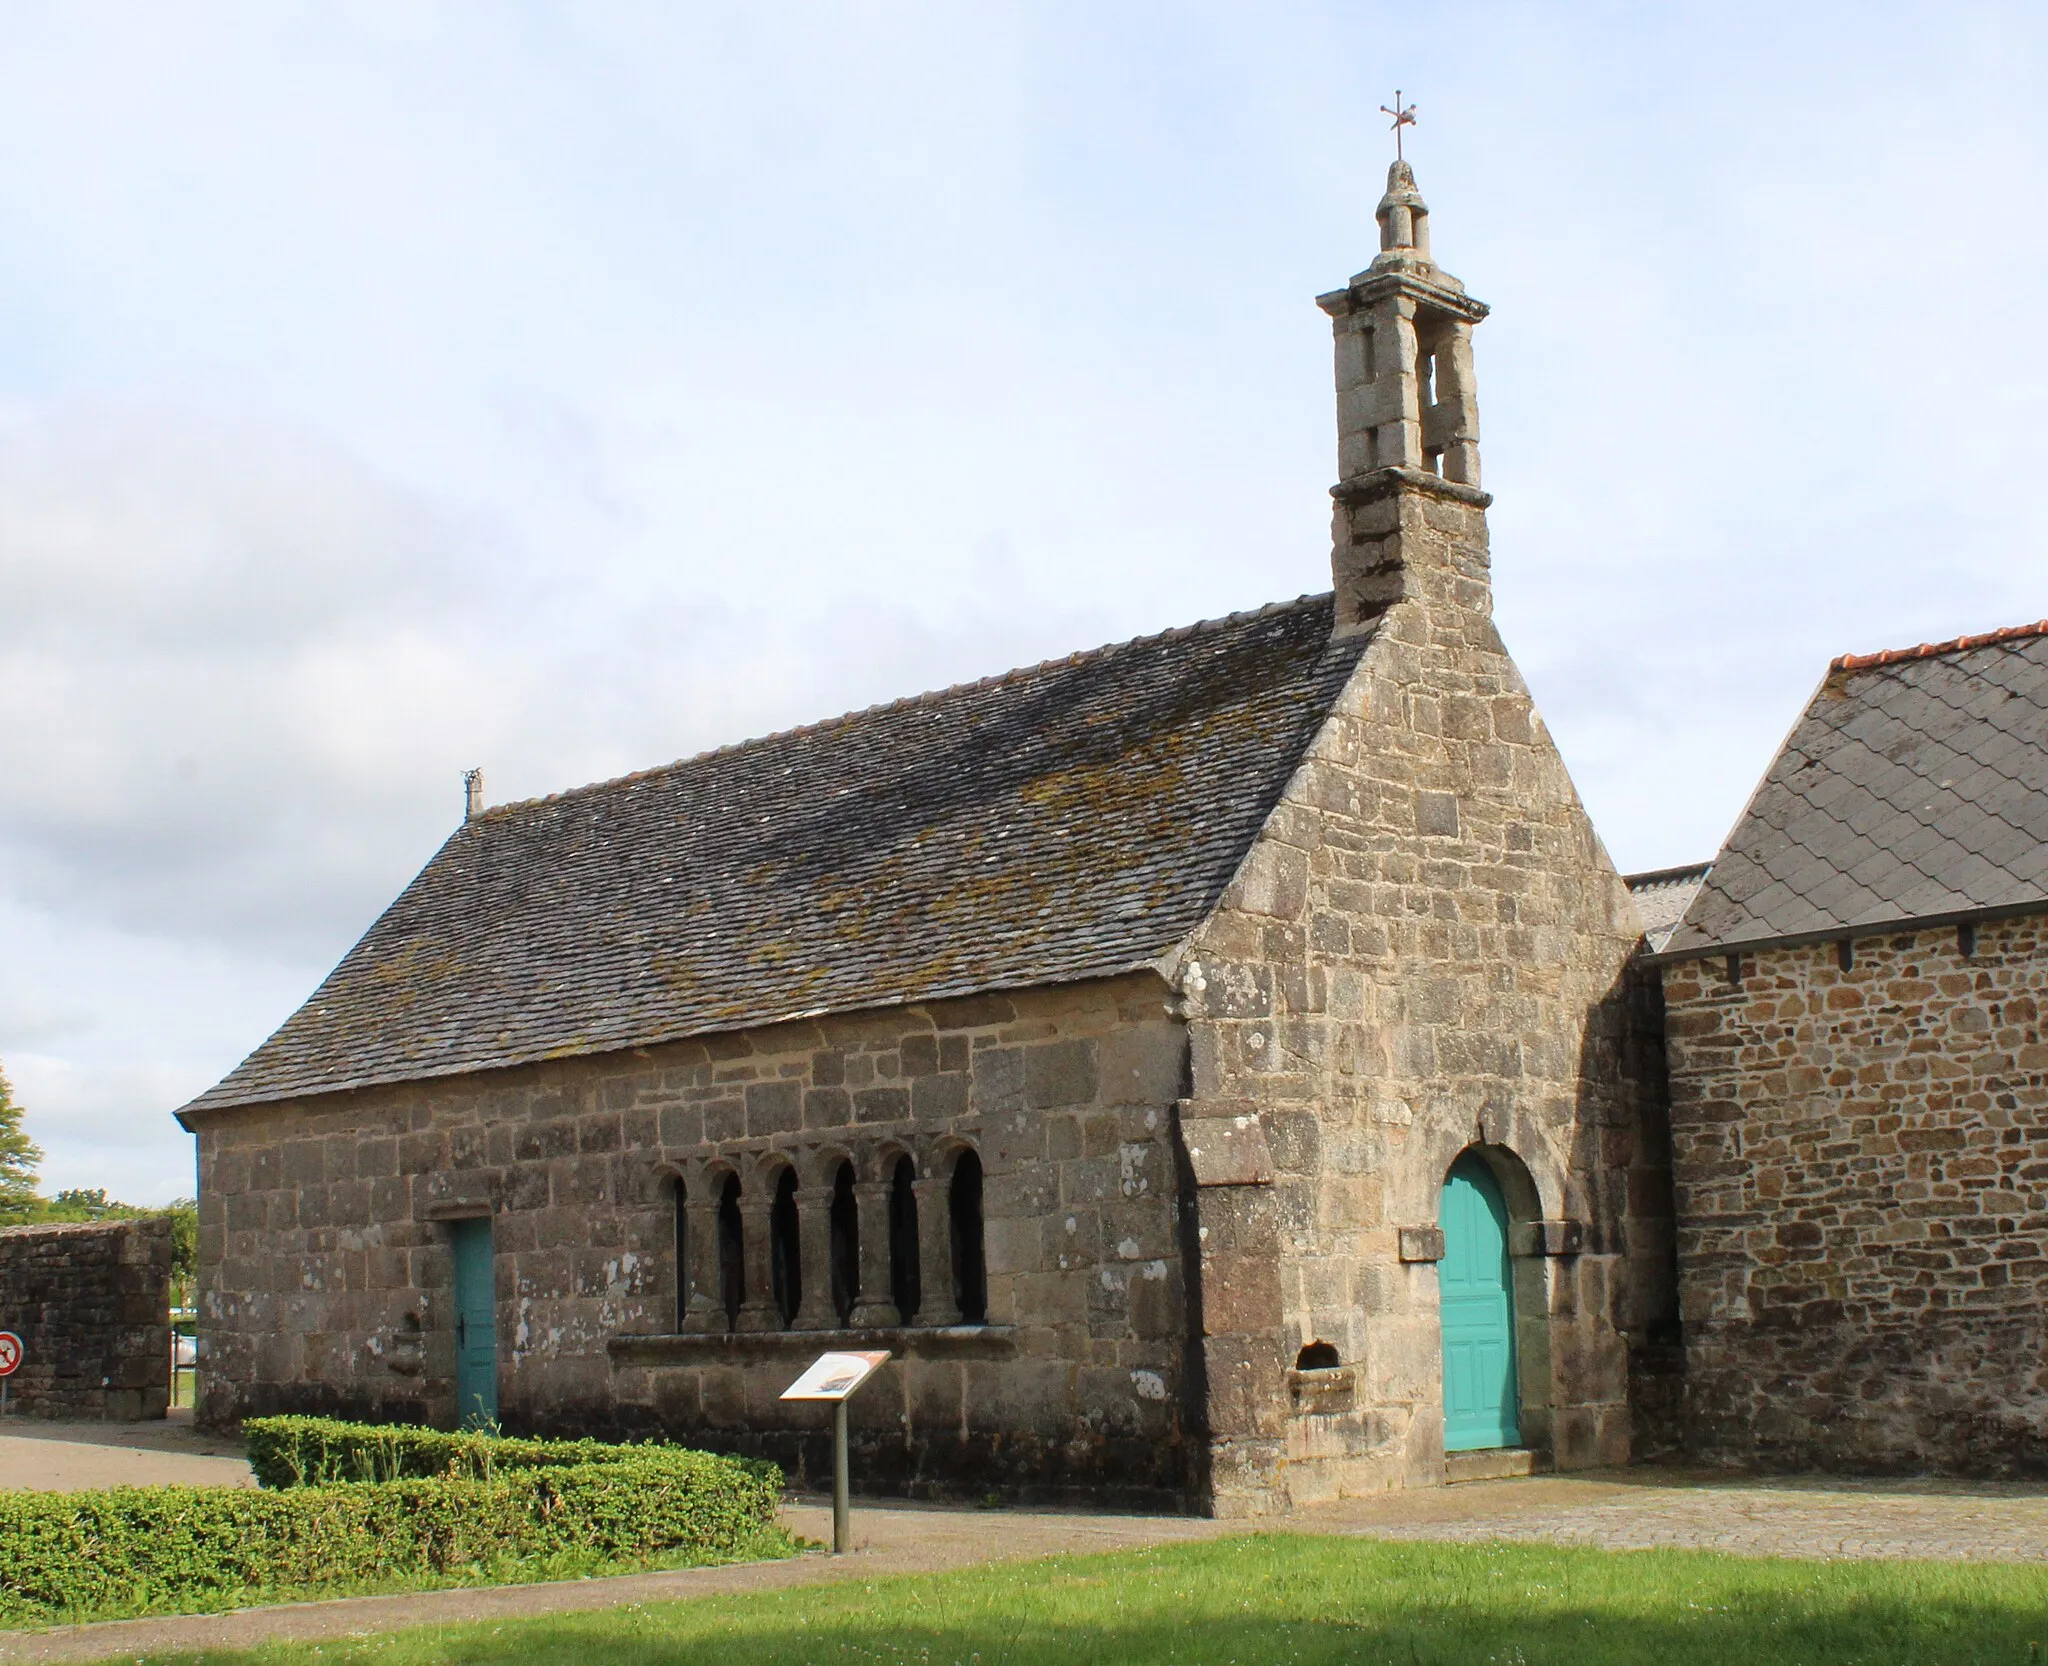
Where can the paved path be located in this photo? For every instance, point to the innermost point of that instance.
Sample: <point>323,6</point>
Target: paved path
<point>1632,1509</point>
<point>39,1456</point>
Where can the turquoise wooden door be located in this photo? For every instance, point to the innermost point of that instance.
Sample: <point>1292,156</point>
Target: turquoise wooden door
<point>1481,1407</point>
<point>476,1325</point>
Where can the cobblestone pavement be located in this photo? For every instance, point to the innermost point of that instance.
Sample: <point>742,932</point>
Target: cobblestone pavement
<point>1620,1510</point>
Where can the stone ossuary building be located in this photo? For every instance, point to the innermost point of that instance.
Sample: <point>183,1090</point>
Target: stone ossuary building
<point>1223,1069</point>
<point>1210,1064</point>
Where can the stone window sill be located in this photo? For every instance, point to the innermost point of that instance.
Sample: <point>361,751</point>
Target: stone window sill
<point>739,1347</point>
<point>1324,1391</point>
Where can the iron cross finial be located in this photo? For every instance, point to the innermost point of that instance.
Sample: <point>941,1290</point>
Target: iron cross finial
<point>1404,116</point>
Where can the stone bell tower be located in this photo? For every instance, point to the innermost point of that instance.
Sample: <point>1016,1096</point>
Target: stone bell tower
<point>1410,515</point>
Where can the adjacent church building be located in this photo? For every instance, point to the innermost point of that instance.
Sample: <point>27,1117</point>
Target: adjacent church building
<point>1859,1079</point>
<point>1223,1069</point>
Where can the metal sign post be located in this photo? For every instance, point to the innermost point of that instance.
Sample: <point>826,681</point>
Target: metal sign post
<point>10,1362</point>
<point>836,1377</point>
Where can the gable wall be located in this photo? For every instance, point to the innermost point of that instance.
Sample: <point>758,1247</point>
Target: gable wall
<point>1425,949</point>
<point>1862,1174</point>
<point>325,1276</point>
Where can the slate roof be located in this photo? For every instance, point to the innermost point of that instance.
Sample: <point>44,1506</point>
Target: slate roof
<point>1661,897</point>
<point>1072,820</point>
<point>1914,787</point>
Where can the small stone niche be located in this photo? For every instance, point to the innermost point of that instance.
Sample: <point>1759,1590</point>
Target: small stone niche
<point>1321,1383</point>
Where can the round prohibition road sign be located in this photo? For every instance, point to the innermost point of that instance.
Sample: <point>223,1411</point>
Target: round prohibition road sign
<point>10,1353</point>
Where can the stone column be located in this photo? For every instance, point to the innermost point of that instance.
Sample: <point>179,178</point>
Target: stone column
<point>875,1307</point>
<point>1458,398</point>
<point>1400,440</point>
<point>757,1307</point>
<point>814,1232</point>
<point>704,1301</point>
<point>935,1252</point>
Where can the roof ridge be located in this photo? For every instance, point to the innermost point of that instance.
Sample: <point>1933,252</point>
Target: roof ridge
<point>824,725</point>
<point>1665,876</point>
<point>1929,650</point>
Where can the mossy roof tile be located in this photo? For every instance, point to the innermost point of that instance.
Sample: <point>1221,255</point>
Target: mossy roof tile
<point>1070,820</point>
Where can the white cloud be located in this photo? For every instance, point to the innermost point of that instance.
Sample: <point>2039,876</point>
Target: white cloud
<point>87,1120</point>
<point>392,389</point>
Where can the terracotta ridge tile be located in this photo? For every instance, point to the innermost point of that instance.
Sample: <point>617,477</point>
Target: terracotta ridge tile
<point>1930,650</point>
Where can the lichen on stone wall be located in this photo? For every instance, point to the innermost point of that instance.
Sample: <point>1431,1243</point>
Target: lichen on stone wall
<point>1425,950</point>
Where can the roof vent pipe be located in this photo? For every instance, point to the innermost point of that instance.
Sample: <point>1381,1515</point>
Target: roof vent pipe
<point>472,794</point>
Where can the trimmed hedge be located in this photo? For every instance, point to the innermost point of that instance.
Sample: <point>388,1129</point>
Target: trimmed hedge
<point>489,1506</point>
<point>318,1451</point>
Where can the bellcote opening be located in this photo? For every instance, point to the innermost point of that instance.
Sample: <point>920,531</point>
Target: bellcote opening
<point>1407,425</point>
<point>1406,396</point>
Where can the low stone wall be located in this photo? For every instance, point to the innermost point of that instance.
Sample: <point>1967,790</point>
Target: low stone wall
<point>1862,1176</point>
<point>91,1304</point>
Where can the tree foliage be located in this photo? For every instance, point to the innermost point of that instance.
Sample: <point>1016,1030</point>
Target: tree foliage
<point>21,1160</point>
<point>21,1204</point>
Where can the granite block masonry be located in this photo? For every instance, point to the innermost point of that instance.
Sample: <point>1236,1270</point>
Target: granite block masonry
<point>1426,952</point>
<point>1861,1175</point>
<point>1097,1038</point>
<point>324,1233</point>
<point>91,1303</point>
<point>1859,1079</point>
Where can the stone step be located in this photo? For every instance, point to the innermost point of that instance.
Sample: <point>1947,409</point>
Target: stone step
<point>1495,1463</point>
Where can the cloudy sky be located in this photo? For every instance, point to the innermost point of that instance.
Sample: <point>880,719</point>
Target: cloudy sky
<point>394,387</point>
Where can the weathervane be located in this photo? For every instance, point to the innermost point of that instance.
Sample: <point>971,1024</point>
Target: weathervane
<point>1404,116</point>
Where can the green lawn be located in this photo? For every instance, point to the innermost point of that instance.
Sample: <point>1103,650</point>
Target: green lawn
<point>1282,1599</point>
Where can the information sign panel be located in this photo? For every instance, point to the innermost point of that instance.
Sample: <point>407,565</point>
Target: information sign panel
<point>835,1376</point>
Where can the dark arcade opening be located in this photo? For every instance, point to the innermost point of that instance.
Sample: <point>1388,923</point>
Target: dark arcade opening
<point>970,1265</point>
<point>904,1290</point>
<point>845,1244</point>
<point>732,1252</point>
<point>785,1250</point>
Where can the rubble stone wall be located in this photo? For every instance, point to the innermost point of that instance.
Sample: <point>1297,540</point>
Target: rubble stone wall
<point>1425,951</point>
<point>327,1273</point>
<point>1861,1157</point>
<point>91,1303</point>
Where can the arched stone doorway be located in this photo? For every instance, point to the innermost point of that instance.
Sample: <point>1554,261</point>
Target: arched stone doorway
<point>1476,1302</point>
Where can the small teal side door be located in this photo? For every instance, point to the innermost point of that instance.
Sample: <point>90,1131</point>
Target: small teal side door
<point>1481,1407</point>
<point>476,1325</point>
